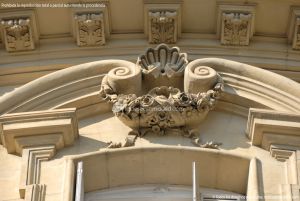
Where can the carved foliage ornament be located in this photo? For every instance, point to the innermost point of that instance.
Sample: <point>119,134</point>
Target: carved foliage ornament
<point>18,34</point>
<point>236,28</point>
<point>163,108</point>
<point>90,29</point>
<point>162,27</point>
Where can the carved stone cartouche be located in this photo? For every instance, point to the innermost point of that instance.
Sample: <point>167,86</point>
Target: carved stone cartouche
<point>163,107</point>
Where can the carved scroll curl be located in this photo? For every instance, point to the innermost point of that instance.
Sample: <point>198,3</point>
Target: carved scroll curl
<point>121,80</point>
<point>199,78</point>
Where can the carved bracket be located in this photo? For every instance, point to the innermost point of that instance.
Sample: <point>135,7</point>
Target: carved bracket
<point>235,24</point>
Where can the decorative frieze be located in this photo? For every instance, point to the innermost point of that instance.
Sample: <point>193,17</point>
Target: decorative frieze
<point>19,30</point>
<point>235,24</point>
<point>90,29</point>
<point>162,27</point>
<point>162,22</point>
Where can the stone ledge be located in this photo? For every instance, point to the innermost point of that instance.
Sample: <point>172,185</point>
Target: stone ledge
<point>40,128</point>
<point>267,127</point>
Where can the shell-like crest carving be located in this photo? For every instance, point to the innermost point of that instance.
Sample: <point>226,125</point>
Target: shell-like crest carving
<point>163,61</point>
<point>146,98</point>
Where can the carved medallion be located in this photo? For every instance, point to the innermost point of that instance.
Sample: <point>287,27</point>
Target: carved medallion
<point>236,28</point>
<point>163,108</point>
<point>162,27</point>
<point>90,29</point>
<point>18,34</point>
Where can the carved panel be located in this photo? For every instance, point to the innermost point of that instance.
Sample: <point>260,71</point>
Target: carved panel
<point>162,21</point>
<point>235,28</point>
<point>90,29</point>
<point>18,34</point>
<point>19,30</point>
<point>235,25</point>
<point>162,27</point>
<point>296,42</point>
<point>294,28</point>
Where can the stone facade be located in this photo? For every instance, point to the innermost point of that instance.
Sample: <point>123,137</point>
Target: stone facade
<point>121,118</point>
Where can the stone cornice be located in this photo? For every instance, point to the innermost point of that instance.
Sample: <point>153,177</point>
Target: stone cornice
<point>20,130</point>
<point>267,127</point>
